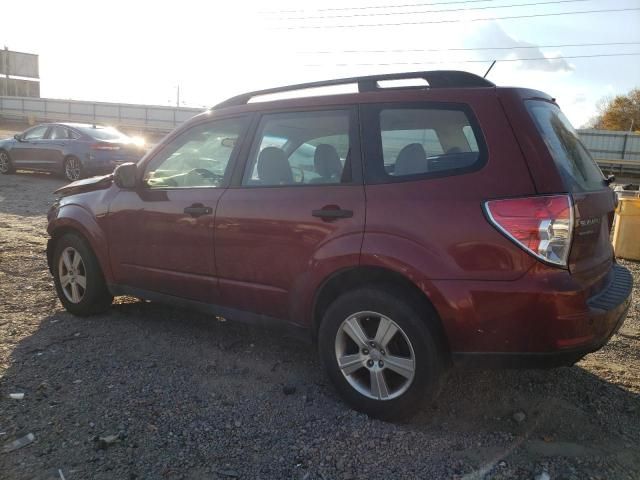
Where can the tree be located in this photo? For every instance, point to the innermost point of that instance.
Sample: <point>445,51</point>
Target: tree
<point>621,112</point>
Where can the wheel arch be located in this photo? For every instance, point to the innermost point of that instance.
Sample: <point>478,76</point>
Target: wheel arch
<point>361,276</point>
<point>75,219</point>
<point>55,236</point>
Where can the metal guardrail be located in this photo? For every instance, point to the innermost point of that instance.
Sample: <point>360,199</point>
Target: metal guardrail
<point>615,152</point>
<point>147,117</point>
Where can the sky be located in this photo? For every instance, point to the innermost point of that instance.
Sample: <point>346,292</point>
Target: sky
<point>139,52</point>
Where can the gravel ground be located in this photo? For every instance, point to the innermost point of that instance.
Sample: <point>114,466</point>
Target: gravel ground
<point>151,392</point>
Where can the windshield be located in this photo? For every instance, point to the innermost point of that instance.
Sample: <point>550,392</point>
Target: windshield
<point>572,158</point>
<point>105,133</point>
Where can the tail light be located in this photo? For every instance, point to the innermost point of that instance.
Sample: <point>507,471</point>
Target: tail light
<point>542,225</point>
<point>105,146</point>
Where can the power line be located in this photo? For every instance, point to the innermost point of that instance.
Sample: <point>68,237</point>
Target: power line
<point>468,9</point>
<point>472,61</point>
<point>377,6</point>
<point>410,50</point>
<point>425,22</point>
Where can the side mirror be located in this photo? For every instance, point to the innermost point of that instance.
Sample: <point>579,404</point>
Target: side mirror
<point>18,137</point>
<point>124,175</point>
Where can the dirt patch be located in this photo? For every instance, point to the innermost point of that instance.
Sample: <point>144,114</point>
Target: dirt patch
<point>147,391</point>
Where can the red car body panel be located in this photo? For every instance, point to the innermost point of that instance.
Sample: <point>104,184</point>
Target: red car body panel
<point>156,246</point>
<point>271,251</point>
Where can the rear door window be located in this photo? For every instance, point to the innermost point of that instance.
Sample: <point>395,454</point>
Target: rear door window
<point>58,133</point>
<point>577,168</point>
<point>73,135</point>
<point>301,148</point>
<point>421,141</point>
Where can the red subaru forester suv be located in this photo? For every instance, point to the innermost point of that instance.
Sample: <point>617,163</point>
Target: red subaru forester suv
<point>405,228</point>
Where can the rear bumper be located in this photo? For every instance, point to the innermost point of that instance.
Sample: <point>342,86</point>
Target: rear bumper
<point>558,330</point>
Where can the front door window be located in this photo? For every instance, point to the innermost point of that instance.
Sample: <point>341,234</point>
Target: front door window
<point>36,133</point>
<point>198,158</point>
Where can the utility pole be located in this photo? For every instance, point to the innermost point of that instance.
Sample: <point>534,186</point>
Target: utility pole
<point>5,66</point>
<point>178,96</point>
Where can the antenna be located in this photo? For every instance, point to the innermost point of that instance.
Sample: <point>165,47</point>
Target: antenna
<point>492,64</point>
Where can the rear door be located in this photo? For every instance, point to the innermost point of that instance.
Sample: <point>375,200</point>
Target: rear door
<point>591,252</point>
<point>57,143</point>
<point>297,211</point>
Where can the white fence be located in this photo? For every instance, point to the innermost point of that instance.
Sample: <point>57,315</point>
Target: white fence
<point>146,117</point>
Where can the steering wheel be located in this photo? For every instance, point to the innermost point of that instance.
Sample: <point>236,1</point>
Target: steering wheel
<point>203,172</point>
<point>208,174</point>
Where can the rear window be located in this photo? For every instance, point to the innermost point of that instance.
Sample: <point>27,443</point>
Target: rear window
<point>104,133</point>
<point>424,140</point>
<point>577,168</point>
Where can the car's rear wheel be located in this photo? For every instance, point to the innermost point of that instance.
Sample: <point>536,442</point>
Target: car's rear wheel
<point>6,166</point>
<point>72,169</point>
<point>78,278</point>
<point>379,352</point>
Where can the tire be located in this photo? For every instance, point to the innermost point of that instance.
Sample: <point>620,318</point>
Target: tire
<point>70,274</point>
<point>6,166</point>
<point>371,308</point>
<point>72,169</point>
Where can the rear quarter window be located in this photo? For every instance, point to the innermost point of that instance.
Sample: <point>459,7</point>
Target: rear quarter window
<point>105,134</point>
<point>572,159</point>
<point>414,141</point>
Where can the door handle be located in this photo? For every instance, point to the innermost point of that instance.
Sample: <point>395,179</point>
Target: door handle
<point>332,213</point>
<point>198,209</point>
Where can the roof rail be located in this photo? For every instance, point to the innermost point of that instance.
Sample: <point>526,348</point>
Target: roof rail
<point>369,83</point>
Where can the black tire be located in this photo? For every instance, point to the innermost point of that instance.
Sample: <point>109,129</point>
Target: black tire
<point>6,165</point>
<point>96,297</point>
<point>429,364</point>
<point>72,173</point>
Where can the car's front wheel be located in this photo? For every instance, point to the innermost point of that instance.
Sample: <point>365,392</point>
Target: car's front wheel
<point>380,353</point>
<point>72,169</point>
<point>78,278</point>
<point>6,166</point>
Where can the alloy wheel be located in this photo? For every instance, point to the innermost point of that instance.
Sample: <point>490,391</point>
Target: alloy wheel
<point>4,162</point>
<point>72,168</point>
<point>375,355</point>
<point>72,275</point>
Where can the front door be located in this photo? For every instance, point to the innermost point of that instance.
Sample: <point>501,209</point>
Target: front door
<point>299,206</point>
<point>161,234</point>
<point>29,151</point>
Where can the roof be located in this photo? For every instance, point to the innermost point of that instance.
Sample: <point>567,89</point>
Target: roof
<point>79,125</point>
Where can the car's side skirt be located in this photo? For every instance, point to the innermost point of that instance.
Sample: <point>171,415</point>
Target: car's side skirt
<point>289,328</point>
